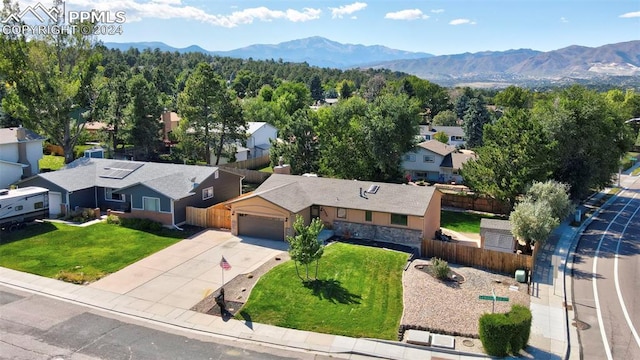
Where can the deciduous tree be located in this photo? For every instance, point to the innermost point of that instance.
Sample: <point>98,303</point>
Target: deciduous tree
<point>590,137</point>
<point>514,155</point>
<point>304,247</point>
<point>51,81</point>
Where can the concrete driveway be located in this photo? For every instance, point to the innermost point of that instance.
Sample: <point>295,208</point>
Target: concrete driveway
<point>183,274</point>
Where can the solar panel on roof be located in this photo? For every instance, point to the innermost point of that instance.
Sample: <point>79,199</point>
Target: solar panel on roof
<point>125,165</point>
<point>120,169</point>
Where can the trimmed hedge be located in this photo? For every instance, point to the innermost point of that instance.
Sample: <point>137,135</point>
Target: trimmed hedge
<point>141,224</point>
<point>503,334</point>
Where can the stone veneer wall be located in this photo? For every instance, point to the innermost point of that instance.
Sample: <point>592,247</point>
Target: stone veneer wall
<point>409,237</point>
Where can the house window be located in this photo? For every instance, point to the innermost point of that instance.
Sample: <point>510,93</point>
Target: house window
<point>342,213</point>
<point>427,137</point>
<point>216,174</point>
<point>18,208</point>
<point>151,204</point>
<point>207,193</point>
<point>368,216</point>
<point>38,205</point>
<point>109,195</point>
<point>457,138</point>
<point>399,219</point>
<point>409,157</point>
<point>428,158</point>
<point>315,211</point>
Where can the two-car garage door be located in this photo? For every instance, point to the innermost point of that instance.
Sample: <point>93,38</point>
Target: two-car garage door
<point>261,227</point>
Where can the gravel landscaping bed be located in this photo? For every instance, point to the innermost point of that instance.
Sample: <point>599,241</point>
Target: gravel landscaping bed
<point>454,308</point>
<point>451,308</point>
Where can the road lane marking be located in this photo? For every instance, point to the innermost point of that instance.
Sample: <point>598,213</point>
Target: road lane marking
<point>594,278</point>
<point>617,282</point>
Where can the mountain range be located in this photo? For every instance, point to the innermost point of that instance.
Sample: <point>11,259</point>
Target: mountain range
<point>615,63</point>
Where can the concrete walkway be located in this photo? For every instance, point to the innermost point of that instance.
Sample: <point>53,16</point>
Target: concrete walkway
<point>163,287</point>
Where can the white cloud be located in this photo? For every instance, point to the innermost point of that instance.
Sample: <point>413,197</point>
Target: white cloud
<point>564,20</point>
<point>461,22</point>
<point>174,9</point>
<point>409,14</point>
<point>634,14</point>
<point>339,12</point>
<point>437,11</point>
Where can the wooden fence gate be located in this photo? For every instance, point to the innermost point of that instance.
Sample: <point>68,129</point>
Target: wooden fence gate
<point>217,216</point>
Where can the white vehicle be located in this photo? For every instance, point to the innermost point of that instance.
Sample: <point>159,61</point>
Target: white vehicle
<point>20,206</point>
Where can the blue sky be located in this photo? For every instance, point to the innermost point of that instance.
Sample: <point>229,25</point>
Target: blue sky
<point>436,27</point>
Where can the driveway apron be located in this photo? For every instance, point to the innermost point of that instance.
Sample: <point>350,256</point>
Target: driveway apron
<point>183,274</point>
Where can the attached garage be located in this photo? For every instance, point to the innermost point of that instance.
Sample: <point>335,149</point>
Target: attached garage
<point>55,202</point>
<point>261,227</point>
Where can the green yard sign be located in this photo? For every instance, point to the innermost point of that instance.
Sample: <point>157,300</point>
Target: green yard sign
<point>493,298</point>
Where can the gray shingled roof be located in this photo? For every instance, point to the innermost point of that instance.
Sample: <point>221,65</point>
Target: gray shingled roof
<point>171,180</point>
<point>296,193</point>
<point>450,130</point>
<point>437,147</point>
<point>10,135</point>
<point>455,160</point>
<point>495,224</point>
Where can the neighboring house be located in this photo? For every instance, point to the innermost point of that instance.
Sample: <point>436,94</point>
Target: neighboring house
<point>156,191</point>
<point>455,134</point>
<point>259,138</point>
<point>394,213</point>
<point>170,121</point>
<point>496,235</point>
<point>95,127</point>
<point>434,161</point>
<point>20,151</point>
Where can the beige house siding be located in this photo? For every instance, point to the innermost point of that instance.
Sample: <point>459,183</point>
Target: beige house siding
<point>260,207</point>
<point>330,214</point>
<point>432,216</point>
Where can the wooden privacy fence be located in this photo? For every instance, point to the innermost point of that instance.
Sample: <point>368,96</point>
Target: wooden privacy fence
<point>470,202</point>
<point>501,262</point>
<point>212,217</point>
<point>250,176</point>
<point>252,164</point>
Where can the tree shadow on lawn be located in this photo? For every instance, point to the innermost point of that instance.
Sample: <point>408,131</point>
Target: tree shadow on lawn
<point>332,290</point>
<point>33,229</point>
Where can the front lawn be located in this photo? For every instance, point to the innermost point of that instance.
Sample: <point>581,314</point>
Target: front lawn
<point>461,221</point>
<point>358,294</point>
<point>82,253</point>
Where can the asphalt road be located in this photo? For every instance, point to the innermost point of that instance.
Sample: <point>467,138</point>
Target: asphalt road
<point>34,327</point>
<point>606,281</point>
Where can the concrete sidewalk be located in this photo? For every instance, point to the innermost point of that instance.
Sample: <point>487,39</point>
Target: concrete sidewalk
<point>139,292</point>
<point>144,291</point>
<point>551,327</point>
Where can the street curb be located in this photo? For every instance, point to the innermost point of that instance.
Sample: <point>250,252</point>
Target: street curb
<point>567,269</point>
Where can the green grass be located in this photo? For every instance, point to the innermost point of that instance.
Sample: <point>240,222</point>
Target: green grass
<point>636,172</point>
<point>267,169</point>
<point>629,160</point>
<point>358,294</point>
<point>51,162</point>
<point>50,248</point>
<point>462,222</point>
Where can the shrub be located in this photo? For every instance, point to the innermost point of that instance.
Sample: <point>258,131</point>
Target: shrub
<point>440,268</point>
<point>113,219</point>
<point>502,334</point>
<point>141,224</point>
